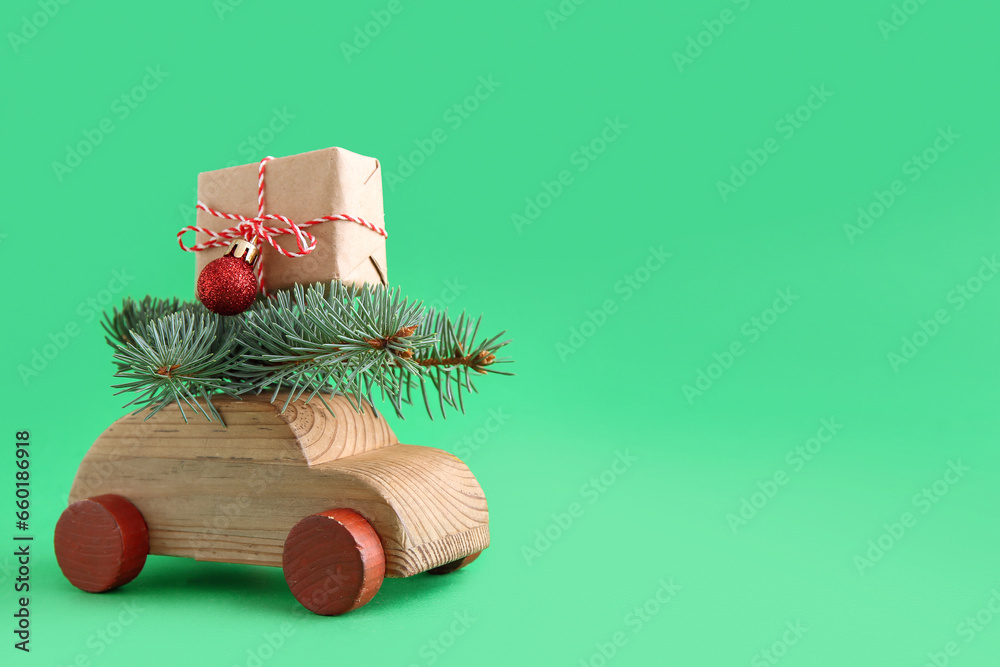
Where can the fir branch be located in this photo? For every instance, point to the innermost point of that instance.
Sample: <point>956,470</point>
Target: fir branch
<point>449,363</point>
<point>334,338</point>
<point>308,341</point>
<point>133,313</point>
<point>178,358</point>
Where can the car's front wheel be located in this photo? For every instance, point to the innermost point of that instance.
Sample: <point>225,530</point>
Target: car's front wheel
<point>333,562</point>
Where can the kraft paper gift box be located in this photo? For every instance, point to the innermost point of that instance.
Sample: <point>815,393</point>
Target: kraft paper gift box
<point>302,187</point>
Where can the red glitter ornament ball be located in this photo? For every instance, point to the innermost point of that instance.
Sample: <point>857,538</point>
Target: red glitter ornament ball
<point>227,285</point>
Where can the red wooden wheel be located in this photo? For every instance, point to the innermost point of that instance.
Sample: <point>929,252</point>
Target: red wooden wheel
<point>448,568</point>
<point>101,543</point>
<point>333,562</point>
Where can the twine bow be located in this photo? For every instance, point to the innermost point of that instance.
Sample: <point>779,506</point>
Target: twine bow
<point>255,231</point>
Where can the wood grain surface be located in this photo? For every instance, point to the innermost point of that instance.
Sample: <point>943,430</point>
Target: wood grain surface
<point>233,493</point>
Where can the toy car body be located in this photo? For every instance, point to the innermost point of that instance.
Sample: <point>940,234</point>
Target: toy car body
<point>333,499</point>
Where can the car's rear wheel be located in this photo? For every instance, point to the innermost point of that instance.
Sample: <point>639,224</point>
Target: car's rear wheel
<point>333,562</point>
<point>448,568</point>
<point>101,543</point>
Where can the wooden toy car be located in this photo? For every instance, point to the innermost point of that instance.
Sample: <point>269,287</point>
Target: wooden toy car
<point>335,501</point>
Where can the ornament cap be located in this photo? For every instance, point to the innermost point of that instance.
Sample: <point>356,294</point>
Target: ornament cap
<point>245,250</point>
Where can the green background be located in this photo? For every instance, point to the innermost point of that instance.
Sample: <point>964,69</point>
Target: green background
<point>617,388</point>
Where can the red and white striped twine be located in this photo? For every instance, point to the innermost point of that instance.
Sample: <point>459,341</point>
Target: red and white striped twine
<point>254,230</point>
